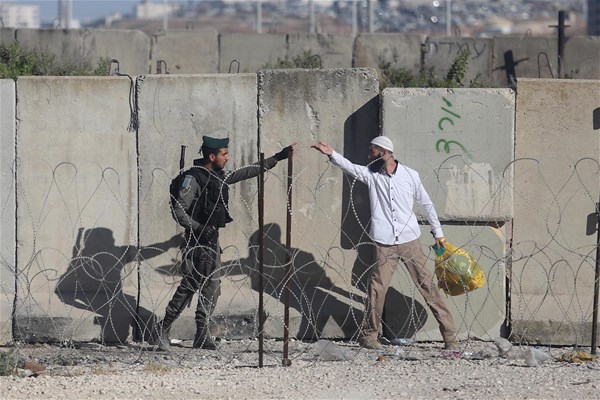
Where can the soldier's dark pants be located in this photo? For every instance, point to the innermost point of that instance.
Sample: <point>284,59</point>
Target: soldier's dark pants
<point>201,273</point>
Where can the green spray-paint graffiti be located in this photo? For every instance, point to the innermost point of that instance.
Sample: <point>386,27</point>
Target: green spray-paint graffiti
<point>448,143</point>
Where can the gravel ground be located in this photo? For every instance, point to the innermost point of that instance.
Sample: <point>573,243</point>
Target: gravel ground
<point>418,371</point>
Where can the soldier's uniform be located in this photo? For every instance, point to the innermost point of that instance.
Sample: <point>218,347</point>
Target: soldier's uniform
<point>202,209</point>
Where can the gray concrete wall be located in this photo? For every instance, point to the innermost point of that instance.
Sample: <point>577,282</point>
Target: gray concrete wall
<point>186,52</point>
<point>7,35</point>
<point>131,48</point>
<point>340,107</point>
<point>335,51</point>
<point>400,50</point>
<point>582,57</point>
<point>175,111</point>
<point>461,143</point>
<point>524,55</point>
<point>76,210</point>
<point>252,51</point>
<point>556,187</point>
<point>196,52</point>
<point>7,207</point>
<point>78,197</point>
<point>65,44</point>
<point>440,52</point>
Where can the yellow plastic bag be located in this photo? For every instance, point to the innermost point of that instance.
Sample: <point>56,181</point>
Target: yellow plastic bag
<point>457,271</point>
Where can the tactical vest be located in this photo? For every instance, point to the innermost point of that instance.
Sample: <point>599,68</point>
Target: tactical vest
<point>210,206</point>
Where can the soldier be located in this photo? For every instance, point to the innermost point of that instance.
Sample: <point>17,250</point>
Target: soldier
<point>202,209</point>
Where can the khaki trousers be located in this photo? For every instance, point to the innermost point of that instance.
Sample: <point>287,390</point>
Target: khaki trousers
<point>412,256</point>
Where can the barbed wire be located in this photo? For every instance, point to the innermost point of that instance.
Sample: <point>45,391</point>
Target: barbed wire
<point>76,284</point>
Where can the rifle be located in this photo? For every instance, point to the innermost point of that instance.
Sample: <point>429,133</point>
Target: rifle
<point>182,159</point>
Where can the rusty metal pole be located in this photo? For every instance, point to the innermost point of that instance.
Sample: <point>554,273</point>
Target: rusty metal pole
<point>596,284</point>
<point>286,362</point>
<point>561,41</point>
<point>261,252</point>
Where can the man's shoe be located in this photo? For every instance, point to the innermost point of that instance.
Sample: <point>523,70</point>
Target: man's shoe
<point>369,343</point>
<point>451,346</point>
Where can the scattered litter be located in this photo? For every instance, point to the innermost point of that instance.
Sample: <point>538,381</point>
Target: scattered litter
<point>450,354</point>
<point>326,350</point>
<point>402,341</point>
<point>503,345</point>
<point>489,351</point>
<point>577,356</point>
<point>380,358</point>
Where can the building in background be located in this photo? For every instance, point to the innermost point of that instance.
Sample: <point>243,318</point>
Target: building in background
<point>593,17</point>
<point>146,9</point>
<point>19,16</point>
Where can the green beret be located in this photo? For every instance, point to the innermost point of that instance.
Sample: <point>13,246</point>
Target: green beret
<point>214,143</point>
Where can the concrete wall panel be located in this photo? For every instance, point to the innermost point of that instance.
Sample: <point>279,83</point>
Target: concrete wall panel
<point>252,50</point>
<point>7,207</point>
<point>7,35</point>
<point>441,52</point>
<point>461,143</point>
<point>582,57</point>
<point>329,215</point>
<point>187,52</point>
<point>65,44</point>
<point>557,185</point>
<point>521,56</point>
<point>131,48</point>
<point>77,204</point>
<point>175,111</point>
<point>335,51</point>
<point>400,50</point>
<point>480,313</point>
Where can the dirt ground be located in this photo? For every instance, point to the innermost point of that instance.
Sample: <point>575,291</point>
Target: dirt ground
<point>416,371</point>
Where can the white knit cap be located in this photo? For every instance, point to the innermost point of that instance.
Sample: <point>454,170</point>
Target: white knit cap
<point>384,142</point>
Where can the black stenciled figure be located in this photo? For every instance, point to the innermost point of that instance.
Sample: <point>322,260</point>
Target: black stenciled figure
<point>202,209</point>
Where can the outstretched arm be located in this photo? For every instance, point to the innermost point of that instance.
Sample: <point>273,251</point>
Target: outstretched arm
<point>323,148</point>
<point>360,172</point>
<point>253,170</point>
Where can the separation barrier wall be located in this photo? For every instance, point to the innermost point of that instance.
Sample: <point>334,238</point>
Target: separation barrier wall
<point>97,252</point>
<point>190,51</point>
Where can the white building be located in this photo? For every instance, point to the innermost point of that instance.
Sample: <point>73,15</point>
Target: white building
<point>19,16</point>
<point>146,9</point>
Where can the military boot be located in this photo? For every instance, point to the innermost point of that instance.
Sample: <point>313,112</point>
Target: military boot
<point>202,340</point>
<point>163,342</point>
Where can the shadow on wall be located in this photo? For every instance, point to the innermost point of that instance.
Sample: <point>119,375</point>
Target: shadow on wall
<point>93,282</point>
<point>312,293</point>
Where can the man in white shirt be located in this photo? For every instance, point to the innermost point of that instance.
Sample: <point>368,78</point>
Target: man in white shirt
<point>393,188</point>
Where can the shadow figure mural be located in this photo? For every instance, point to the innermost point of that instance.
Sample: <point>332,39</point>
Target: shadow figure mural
<point>93,281</point>
<point>312,292</point>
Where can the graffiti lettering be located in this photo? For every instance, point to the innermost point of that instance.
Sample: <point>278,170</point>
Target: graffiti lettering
<point>449,104</point>
<point>477,48</point>
<point>447,144</point>
<point>444,144</point>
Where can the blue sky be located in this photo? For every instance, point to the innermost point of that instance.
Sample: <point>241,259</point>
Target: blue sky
<point>82,9</point>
